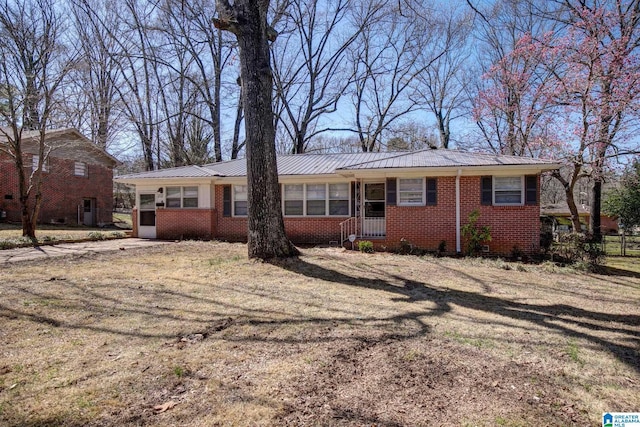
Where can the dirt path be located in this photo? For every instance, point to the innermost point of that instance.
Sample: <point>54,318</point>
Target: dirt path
<point>73,249</point>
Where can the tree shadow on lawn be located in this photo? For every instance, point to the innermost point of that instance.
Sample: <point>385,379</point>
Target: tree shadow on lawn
<point>561,318</point>
<point>568,320</point>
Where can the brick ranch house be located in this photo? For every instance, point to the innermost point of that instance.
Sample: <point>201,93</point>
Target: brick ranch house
<point>423,197</point>
<point>77,179</point>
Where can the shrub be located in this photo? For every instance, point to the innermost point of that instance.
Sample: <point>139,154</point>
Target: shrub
<point>578,249</point>
<point>475,235</point>
<point>406,247</point>
<point>7,244</point>
<point>365,246</point>
<point>516,254</point>
<point>97,235</point>
<point>442,247</point>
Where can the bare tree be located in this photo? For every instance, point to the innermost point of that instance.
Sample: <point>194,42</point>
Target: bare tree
<point>247,19</point>
<point>385,65</point>
<point>310,70</point>
<point>34,66</point>
<point>96,74</point>
<point>126,39</point>
<point>442,86</point>
<point>187,26</point>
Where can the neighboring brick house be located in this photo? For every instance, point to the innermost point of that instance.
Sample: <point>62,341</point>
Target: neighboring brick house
<point>423,197</point>
<point>77,179</point>
<point>560,218</point>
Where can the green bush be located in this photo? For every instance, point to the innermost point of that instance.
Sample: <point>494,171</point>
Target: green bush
<point>365,246</point>
<point>475,235</point>
<point>97,235</point>
<point>578,249</point>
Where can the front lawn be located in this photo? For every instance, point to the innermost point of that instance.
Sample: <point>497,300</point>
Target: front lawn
<point>195,334</point>
<point>11,234</point>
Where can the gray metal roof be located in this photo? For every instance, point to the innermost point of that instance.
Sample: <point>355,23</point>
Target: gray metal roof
<point>178,172</point>
<point>326,164</point>
<point>444,158</point>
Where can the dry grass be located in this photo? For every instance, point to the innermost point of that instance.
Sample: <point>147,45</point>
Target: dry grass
<point>332,338</point>
<point>11,234</point>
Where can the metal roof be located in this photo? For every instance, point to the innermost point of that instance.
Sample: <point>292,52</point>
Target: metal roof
<point>444,158</point>
<point>327,164</point>
<point>178,172</point>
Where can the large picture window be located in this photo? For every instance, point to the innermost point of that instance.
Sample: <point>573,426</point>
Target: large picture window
<point>182,197</point>
<point>316,199</point>
<point>508,190</point>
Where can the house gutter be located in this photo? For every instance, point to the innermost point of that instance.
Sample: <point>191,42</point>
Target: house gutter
<point>458,246</point>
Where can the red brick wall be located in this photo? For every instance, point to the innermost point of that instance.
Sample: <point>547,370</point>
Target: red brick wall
<point>424,226</point>
<point>511,226</point>
<point>62,191</point>
<point>313,230</point>
<point>608,225</point>
<point>9,186</point>
<point>185,223</point>
<point>299,230</point>
<point>228,228</point>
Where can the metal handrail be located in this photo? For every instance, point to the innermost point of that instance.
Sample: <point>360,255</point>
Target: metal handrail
<point>349,227</point>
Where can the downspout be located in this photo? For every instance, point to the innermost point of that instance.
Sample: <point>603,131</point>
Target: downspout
<point>458,246</point>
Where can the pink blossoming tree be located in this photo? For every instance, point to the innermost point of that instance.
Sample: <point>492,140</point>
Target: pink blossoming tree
<point>574,94</point>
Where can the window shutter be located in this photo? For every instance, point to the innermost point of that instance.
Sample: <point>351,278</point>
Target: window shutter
<point>391,191</point>
<point>432,191</point>
<point>531,188</point>
<point>486,190</point>
<point>226,200</point>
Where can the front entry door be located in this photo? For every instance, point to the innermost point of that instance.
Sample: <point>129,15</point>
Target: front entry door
<point>147,216</point>
<point>89,208</point>
<point>373,218</point>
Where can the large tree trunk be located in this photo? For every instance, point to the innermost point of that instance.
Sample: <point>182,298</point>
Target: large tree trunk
<point>266,234</point>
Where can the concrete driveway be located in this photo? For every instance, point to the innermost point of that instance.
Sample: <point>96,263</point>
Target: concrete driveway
<point>74,249</point>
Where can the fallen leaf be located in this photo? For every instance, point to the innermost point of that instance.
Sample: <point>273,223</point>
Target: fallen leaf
<point>164,407</point>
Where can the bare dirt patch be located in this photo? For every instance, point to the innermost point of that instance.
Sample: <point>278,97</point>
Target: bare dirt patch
<point>195,334</point>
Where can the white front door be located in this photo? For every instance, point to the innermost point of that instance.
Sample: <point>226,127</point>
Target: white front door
<point>147,215</point>
<point>373,218</point>
<point>89,207</point>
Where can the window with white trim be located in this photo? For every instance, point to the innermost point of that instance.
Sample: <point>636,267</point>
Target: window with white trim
<point>35,161</point>
<point>316,199</point>
<point>293,199</point>
<point>80,169</point>
<point>339,199</point>
<point>411,192</point>
<point>508,190</point>
<point>182,197</point>
<point>240,200</point>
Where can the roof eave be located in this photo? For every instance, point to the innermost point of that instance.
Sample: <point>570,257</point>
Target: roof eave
<point>164,180</point>
<point>466,170</point>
